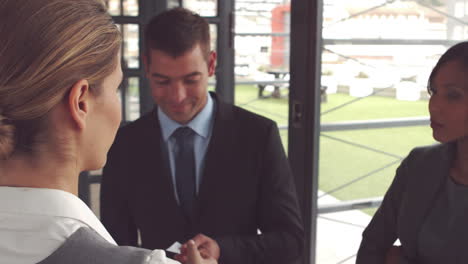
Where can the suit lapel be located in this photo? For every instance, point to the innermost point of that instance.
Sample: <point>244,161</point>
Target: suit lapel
<point>216,156</point>
<point>422,191</point>
<point>158,179</point>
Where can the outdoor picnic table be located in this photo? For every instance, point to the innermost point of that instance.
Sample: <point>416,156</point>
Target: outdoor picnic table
<point>279,75</point>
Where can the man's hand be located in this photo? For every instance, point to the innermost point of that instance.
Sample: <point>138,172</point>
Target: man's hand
<point>393,255</point>
<point>193,256</point>
<point>207,247</point>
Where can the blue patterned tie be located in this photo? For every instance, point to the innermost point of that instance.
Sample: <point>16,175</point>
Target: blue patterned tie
<point>185,168</point>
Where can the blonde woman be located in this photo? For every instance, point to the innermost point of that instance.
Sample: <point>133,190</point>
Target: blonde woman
<point>59,112</point>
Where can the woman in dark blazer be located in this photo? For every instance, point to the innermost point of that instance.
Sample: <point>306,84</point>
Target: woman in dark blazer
<point>426,207</point>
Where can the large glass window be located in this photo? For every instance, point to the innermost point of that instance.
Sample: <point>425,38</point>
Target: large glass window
<point>131,98</point>
<point>214,38</point>
<point>376,60</point>
<point>262,59</point>
<point>131,46</point>
<point>123,7</point>
<point>125,14</point>
<point>206,8</point>
<point>130,89</point>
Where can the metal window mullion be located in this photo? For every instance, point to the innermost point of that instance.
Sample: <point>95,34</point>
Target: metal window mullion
<point>389,41</point>
<point>213,20</point>
<point>123,101</point>
<point>127,19</point>
<point>125,67</point>
<point>134,73</point>
<point>225,50</point>
<point>304,112</point>
<point>357,204</point>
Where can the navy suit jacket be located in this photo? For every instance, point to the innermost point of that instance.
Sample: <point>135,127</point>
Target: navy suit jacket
<point>247,185</point>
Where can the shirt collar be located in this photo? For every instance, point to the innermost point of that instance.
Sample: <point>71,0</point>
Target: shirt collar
<point>50,202</point>
<point>201,123</point>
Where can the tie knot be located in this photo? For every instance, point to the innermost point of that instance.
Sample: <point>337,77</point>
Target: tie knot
<point>182,133</point>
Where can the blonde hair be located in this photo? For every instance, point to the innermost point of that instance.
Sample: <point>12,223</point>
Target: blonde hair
<point>45,47</point>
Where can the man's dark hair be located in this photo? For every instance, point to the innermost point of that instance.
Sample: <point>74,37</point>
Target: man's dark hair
<point>177,31</point>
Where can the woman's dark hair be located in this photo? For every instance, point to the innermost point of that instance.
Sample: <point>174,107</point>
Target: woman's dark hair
<point>458,52</point>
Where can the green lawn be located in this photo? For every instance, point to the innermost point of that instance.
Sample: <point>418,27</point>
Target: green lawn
<point>341,163</point>
<point>276,109</point>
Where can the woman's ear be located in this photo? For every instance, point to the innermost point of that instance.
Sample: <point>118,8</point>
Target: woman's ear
<point>78,103</point>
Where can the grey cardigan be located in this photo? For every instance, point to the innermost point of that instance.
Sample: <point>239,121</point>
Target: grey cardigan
<point>407,203</point>
<point>85,246</point>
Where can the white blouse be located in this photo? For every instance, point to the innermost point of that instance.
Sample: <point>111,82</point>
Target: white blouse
<point>34,222</point>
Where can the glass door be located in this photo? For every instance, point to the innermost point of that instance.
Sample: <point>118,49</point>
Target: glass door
<point>375,64</point>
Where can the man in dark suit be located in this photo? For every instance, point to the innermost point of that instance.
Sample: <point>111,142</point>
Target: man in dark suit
<point>196,165</point>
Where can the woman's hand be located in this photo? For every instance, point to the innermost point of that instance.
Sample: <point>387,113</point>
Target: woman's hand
<point>193,256</point>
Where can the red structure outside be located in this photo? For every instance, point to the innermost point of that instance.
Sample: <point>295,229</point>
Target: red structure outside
<point>278,47</point>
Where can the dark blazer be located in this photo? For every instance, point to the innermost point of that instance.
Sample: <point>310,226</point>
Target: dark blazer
<point>418,181</point>
<point>247,185</point>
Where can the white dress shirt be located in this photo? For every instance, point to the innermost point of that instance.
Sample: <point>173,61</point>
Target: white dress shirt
<point>34,222</point>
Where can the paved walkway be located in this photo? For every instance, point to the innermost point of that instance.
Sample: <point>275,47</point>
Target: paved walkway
<point>339,234</point>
